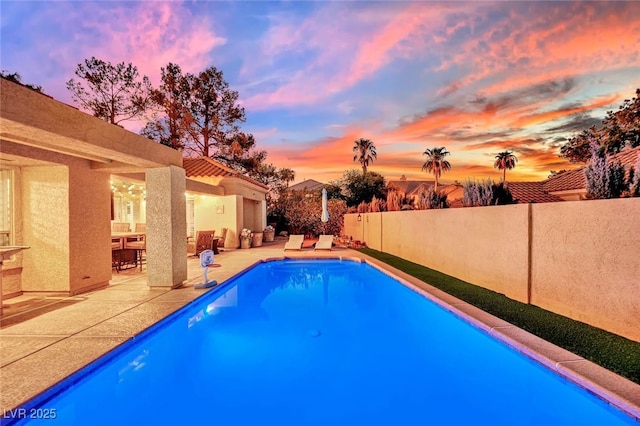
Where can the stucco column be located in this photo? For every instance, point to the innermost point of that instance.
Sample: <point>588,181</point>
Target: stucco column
<point>166,227</point>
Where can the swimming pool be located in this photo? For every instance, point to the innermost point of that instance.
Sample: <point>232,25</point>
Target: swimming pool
<point>318,342</point>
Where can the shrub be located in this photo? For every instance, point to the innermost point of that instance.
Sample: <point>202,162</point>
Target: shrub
<point>501,195</point>
<point>374,206</point>
<point>476,193</point>
<point>431,199</point>
<point>394,200</point>
<point>605,179</point>
<point>634,179</point>
<point>617,184</point>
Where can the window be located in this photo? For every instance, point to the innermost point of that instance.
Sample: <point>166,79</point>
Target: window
<point>128,202</point>
<point>6,205</point>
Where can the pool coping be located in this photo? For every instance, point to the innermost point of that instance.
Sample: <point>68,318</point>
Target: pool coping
<point>611,388</point>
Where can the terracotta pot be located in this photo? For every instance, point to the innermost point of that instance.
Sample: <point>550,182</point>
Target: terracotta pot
<point>269,236</point>
<point>245,243</point>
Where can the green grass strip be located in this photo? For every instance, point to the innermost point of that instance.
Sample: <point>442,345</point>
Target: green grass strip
<point>609,350</point>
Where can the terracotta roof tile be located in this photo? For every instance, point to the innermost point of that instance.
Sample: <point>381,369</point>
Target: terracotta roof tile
<point>628,157</point>
<point>455,204</point>
<point>207,167</point>
<point>531,192</point>
<point>575,179</point>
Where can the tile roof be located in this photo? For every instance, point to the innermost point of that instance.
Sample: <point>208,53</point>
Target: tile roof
<point>409,186</point>
<point>575,179</point>
<point>307,185</point>
<point>453,191</point>
<point>628,157</point>
<point>531,192</point>
<point>207,167</point>
<point>455,204</point>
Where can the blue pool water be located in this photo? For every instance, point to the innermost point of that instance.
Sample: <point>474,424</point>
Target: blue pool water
<point>320,343</point>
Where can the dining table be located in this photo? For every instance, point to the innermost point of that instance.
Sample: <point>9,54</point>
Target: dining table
<point>121,253</point>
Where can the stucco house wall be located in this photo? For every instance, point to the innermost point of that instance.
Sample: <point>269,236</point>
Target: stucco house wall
<point>63,159</point>
<point>217,212</point>
<point>46,228</point>
<point>62,207</point>
<point>242,203</point>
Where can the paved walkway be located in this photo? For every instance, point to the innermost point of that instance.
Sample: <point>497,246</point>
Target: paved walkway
<point>45,341</point>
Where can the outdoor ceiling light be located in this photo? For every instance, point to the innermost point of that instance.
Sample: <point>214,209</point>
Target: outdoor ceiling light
<point>359,217</point>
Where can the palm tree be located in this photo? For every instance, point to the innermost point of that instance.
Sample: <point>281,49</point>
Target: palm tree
<point>505,160</point>
<point>365,153</point>
<point>436,163</point>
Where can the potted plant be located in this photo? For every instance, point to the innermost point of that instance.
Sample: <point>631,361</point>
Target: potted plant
<point>245,238</point>
<point>269,234</point>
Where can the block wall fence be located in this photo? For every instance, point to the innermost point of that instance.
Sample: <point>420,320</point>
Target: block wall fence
<point>580,259</point>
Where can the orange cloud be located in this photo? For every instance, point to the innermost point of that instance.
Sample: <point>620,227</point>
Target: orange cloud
<point>547,116</point>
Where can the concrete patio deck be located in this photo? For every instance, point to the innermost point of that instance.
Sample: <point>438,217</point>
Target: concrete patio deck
<point>42,343</point>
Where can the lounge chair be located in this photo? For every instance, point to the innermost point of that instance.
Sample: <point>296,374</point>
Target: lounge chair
<point>294,243</point>
<point>325,242</point>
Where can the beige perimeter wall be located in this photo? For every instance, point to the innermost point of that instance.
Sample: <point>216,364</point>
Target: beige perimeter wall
<point>585,262</point>
<point>579,259</point>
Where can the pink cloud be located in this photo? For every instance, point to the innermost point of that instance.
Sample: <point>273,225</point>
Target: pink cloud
<point>377,51</point>
<point>346,44</point>
<point>148,34</point>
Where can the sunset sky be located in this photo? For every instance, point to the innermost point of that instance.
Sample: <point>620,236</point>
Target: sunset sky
<point>475,77</point>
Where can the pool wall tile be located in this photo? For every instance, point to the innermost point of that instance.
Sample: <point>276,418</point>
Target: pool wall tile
<point>617,390</point>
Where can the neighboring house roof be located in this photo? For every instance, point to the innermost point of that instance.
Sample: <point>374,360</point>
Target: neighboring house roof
<point>575,179</point>
<point>455,204</point>
<point>307,185</point>
<point>531,192</point>
<point>453,191</point>
<point>410,187</point>
<point>628,157</point>
<point>207,167</point>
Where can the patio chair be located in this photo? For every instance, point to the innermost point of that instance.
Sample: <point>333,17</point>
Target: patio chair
<point>120,227</point>
<point>137,243</point>
<point>294,243</point>
<point>221,238</point>
<point>203,241</point>
<point>116,247</point>
<point>325,242</point>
